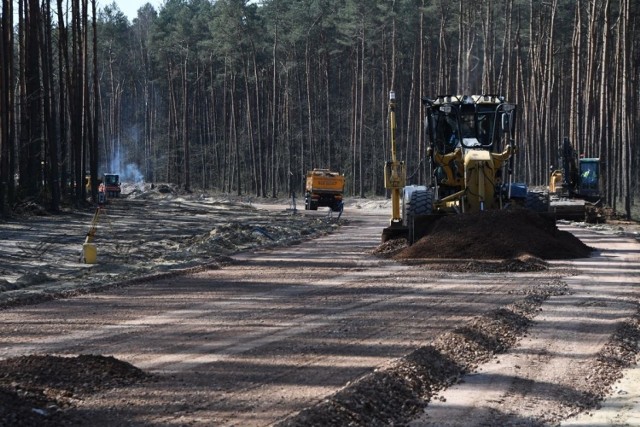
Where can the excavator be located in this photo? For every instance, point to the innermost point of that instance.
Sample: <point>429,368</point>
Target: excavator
<point>470,154</point>
<point>575,188</point>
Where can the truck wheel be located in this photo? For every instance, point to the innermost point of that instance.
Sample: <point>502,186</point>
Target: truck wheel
<point>537,201</point>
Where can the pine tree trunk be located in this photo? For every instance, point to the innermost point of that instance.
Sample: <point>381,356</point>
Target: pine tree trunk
<point>6,106</point>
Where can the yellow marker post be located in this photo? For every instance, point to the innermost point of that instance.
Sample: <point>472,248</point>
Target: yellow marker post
<point>89,253</point>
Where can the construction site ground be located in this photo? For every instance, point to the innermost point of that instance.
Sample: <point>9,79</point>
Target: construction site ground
<point>206,310</point>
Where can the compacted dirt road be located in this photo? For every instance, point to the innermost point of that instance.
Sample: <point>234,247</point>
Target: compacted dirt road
<point>323,332</point>
<point>555,370</point>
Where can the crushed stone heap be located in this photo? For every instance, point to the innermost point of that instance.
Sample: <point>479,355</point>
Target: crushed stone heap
<point>499,234</point>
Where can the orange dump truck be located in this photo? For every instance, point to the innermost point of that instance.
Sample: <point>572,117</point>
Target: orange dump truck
<point>324,188</point>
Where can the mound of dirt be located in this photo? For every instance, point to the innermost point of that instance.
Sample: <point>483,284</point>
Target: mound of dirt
<point>524,263</point>
<point>504,234</point>
<point>390,248</point>
<point>35,390</point>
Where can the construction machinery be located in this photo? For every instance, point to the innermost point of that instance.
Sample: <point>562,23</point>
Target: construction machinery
<point>323,188</point>
<point>575,187</point>
<point>395,178</point>
<point>470,154</point>
<point>112,184</point>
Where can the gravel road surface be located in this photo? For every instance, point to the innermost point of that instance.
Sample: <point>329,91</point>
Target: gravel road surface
<point>282,335</point>
<point>553,372</point>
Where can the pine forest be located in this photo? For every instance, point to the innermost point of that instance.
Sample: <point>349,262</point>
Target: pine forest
<point>243,97</point>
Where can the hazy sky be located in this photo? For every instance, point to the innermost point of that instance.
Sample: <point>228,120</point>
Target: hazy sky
<point>130,7</point>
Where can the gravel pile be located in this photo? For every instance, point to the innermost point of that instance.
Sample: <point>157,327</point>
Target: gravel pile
<point>36,390</point>
<point>488,242</point>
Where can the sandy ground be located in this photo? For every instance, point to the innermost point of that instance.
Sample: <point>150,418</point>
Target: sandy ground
<point>149,231</point>
<point>552,363</point>
<point>301,327</point>
<point>620,408</point>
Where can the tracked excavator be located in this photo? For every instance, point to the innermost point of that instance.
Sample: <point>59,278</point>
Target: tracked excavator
<point>470,154</point>
<point>575,187</point>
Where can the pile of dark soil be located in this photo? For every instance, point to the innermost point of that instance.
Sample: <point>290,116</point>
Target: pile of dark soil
<point>491,235</point>
<point>37,389</point>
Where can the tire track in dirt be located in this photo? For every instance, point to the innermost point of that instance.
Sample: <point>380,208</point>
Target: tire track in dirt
<point>297,356</point>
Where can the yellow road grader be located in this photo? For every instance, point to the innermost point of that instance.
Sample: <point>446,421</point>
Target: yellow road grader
<point>471,144</point>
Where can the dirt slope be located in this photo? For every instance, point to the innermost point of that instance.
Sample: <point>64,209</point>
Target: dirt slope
<point>502,234</point>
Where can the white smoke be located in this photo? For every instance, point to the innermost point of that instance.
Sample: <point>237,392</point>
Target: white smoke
<point>115,161</point>
<point>132,173</point>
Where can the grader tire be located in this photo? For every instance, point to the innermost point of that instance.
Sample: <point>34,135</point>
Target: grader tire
<point>420,204</point>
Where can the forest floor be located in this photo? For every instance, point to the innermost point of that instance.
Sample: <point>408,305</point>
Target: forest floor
<point>363,338</point>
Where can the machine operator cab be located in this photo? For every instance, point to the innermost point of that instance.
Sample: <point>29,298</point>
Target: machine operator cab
<point>469,122</point>
<point>589,177</point>
<point>459,126</point>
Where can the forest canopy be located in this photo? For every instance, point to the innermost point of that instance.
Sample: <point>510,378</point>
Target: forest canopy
<point>244,97</point>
